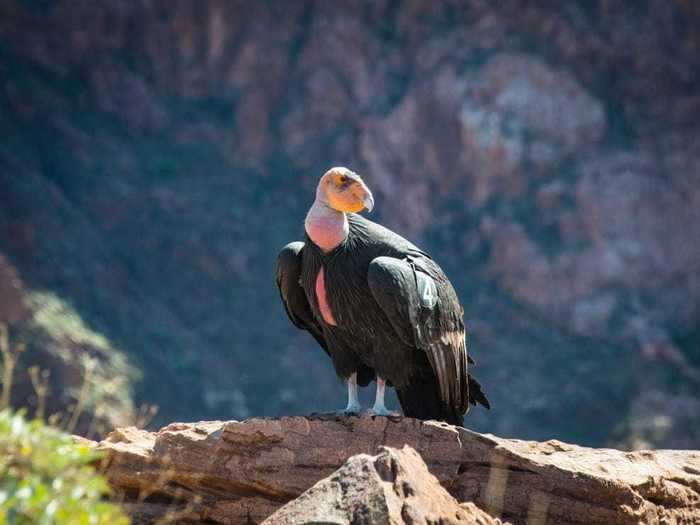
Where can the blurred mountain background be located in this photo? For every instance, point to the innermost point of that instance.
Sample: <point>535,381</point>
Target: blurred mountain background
<point>157,154</point>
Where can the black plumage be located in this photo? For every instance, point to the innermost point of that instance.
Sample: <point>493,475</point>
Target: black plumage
<point>397,315</point>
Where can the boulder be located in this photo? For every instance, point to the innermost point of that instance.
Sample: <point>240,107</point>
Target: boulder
<point>244,471</point>
<point>393,487</point>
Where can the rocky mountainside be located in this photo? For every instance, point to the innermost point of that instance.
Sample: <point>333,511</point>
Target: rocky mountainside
<point>243,472</point>
<point>157,154</point>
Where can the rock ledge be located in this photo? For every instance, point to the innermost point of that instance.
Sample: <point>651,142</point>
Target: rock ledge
<point>242,472</point>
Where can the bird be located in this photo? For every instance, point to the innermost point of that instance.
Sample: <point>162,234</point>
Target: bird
<point>381,308</point>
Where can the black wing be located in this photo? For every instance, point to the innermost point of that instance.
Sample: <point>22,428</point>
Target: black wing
<point>425,313</point>
<point>292,294</point>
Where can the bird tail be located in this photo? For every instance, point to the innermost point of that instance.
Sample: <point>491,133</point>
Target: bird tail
<point>476,394</point>
<point>421,399</point>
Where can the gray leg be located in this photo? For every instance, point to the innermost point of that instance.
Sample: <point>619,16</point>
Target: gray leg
<point>379,409</point>
<point>353,399</point>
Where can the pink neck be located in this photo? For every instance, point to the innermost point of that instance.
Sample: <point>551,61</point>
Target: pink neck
<point>326,227</point>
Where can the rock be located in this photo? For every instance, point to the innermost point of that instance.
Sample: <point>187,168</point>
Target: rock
<point>549,103</point>
<point>234,472</point>
<point>519,112</point>
<point>393,487</point>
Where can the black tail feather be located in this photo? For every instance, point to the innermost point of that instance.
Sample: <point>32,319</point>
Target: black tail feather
<point>421,400</point>
<point>476,394</point>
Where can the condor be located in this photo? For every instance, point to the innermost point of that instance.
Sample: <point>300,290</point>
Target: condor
<point>380,307</point>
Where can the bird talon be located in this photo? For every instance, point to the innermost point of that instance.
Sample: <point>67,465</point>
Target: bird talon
<point>382,412</point>
<point>350,410</point>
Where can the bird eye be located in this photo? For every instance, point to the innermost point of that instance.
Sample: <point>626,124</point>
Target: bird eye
<point>342,179</point>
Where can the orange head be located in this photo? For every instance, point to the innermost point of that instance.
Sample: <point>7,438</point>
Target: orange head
<point>344,190</point>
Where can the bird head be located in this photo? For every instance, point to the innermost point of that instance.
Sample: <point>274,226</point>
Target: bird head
<point>344,190</point>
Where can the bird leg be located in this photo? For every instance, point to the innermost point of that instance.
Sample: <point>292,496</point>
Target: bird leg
<point>379,409</point>
<point>353,399</point>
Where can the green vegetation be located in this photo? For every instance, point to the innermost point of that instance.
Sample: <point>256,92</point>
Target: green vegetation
<point>47,478</point>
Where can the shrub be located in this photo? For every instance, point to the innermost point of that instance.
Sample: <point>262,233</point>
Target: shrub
<point>47,478</point>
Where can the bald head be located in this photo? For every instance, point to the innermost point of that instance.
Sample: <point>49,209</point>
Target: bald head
<point>344,190</point>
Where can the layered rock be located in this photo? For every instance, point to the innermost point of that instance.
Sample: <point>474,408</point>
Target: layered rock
<point>242,472</point>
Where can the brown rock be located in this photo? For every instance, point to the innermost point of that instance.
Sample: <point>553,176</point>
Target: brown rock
<point>517,111</point>
<point>393,487</point>
<point>234,472</point>
<point>549,103</point>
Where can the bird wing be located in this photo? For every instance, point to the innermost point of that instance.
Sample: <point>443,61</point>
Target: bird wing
<point>425,313</point>
<point>293,297</point>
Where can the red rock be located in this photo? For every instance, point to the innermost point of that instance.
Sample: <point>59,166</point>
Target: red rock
<point>232,472</point>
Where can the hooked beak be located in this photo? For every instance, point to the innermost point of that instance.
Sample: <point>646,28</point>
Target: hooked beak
<point>368,202</point>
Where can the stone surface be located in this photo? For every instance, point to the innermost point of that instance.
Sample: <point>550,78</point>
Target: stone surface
<point>235,472</point>
<point>393,487</point>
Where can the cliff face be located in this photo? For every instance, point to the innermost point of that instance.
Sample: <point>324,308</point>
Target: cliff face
<point>157,154</point>
<point>242,472</point>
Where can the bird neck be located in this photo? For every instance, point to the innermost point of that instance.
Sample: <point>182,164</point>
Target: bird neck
<point>326,227</point>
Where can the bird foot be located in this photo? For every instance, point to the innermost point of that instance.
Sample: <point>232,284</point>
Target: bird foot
<point>350,410</point>
<point>382,411</point>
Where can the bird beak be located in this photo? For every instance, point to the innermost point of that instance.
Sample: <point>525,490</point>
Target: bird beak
<point>368,202</point>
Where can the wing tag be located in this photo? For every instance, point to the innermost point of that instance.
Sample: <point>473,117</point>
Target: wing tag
<point>427,291</point>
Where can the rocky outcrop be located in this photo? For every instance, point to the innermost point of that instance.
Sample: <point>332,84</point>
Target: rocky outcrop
<point>393,487</point>
<point>242,472</point>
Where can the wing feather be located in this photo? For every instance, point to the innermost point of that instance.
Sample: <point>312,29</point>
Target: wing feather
<point>292,294</point>
<point>437,330</point>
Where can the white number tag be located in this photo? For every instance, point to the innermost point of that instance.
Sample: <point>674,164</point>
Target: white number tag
<point>427,291</point>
